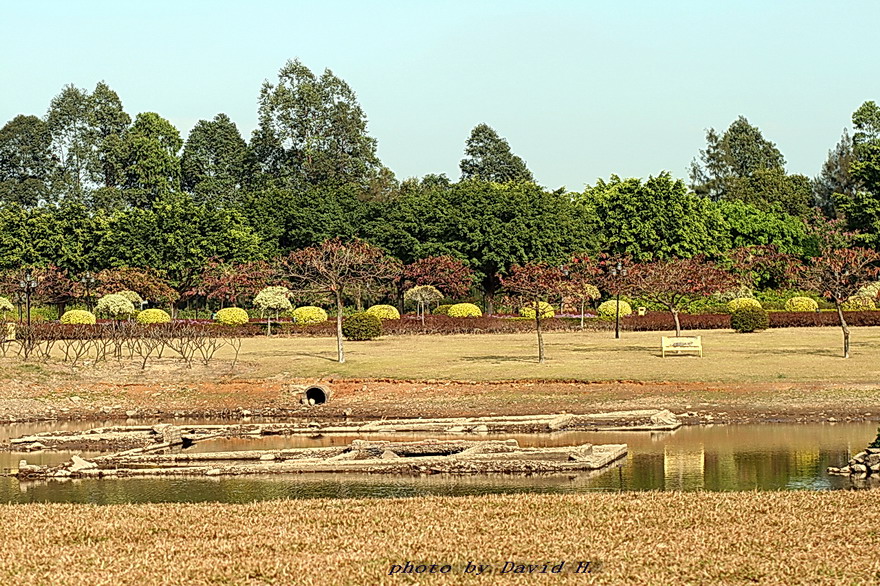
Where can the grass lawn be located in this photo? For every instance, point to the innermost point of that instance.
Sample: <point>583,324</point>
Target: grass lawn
<point>793,354</point>
<point>635,538</point>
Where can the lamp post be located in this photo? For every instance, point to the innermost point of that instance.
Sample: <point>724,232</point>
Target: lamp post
<point>617,271</point>
<point>88,281</point>
<point>28,285</point>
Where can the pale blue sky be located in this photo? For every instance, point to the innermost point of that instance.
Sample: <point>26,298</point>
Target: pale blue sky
<point>581,89</point>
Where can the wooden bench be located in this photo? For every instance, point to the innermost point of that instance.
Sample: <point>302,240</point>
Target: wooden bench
<point>681,344</point>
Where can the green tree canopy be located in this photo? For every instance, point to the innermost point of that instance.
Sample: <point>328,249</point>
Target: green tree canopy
<point>488,157</point>
<point>26,162</point>
<point>214,158</point>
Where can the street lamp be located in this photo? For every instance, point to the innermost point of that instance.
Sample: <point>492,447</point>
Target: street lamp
<point>88,281</point>
<point>28,285</point>
<point>617,271</point>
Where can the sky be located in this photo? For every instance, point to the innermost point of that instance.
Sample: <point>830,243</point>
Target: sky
<point>580,89</point>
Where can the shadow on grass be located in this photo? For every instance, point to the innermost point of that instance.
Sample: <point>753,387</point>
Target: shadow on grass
<point>319,356</point>
<point>606,349</point>
<point>497,358</point>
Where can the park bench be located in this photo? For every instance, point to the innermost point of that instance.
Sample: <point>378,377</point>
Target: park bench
<point>679,344</point>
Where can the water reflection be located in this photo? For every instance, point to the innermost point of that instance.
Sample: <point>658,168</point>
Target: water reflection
<point>717,458</point>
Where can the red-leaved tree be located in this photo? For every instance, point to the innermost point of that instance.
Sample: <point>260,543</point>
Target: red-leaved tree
<point>147,283</point>
<point>763,267</point>
<point>673,283</point>
<point>532,283</point>
<point>336,267</point>
<point>232,283</point>
<point>838,275</point>
<point>450,275</point>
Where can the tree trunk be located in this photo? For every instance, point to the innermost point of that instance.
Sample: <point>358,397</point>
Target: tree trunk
<point>583,303</point>
<point>537,307</point>
<point>677,322</point>
<point>340,351</point>
<point>490,303</point>
<point>843,327</point>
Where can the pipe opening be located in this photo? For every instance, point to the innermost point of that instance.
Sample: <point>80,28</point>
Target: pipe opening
<point>316,396</point>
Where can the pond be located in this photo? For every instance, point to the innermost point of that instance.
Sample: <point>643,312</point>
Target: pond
<point>715,457</point>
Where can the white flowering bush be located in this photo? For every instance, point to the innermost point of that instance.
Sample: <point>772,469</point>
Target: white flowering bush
<point>115,306</point>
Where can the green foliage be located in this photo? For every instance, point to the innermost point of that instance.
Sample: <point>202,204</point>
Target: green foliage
<point>801,304</point>
<point>153,316</point>
<point>384,311</point>
<point>213,160</point>
<point>546,309</point>
<point>231,316</point>
<point>442,309</point>
<point>488,158</point>
<point>132,296</point>
<point>78,317</point>
<point>309,314</point>
<point>115,305</point>
<point>859,303</point>
<point>274,299</point>
<point>362,326</point>
<point>741,302</point>
<point>749,319</point>
<point>26,165</point>
<point>464,310</point>
<point>608,309</point>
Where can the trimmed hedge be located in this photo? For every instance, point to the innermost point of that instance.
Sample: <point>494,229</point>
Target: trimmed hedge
<point>546,310</point>
<point>362,326</point>
<point>742,303</point>
<point>78,317</point>
<point>384,311</point>
<point>749,319</point>
<point>608,309</point>
<point>232,316</point>
<point>309,314</point>
<point>801,304</point>
<point>859,303</point>
<point>153,316</point>
<point>442,309</point>
<point>464,310</point>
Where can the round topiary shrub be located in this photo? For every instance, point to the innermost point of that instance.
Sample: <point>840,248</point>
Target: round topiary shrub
<point>78,317</point>
<point>362,326</point>
<point>801,304</point>
<point>546,310</point>
<point>608,309</point>
<point>749,319</point>
<point>742,302</point>
<point>859,303</point>
<point>442,309</point>
<point>464,310</point>
<point>153,316</point>
<point>384,311</point>
<point>308,314</point>
<point>132,296</point>
<point>231,316</point>
<point>115,305</point>
<point>273,299</point>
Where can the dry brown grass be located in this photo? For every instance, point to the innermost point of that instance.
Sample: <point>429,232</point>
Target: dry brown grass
<point>639,538</point>
<point>794,354</point>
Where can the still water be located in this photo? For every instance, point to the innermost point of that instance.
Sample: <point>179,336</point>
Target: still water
<point>717,458</point>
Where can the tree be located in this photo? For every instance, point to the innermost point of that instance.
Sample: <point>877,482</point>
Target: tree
<point>488,157</point>
<point>232,282</point>
<point>673,283</point>
<point>763,267</point>
<point>312,130</point>
<point>68,122</point>
<point>580,284</point>
<point>531,284</point>
<point>108,124</point>
<point>655,219</point>
<point>835,181</point>
<point>838,275</point>
<point>26,161</point>
<point>448,274</point>
<point>336,267</point>
<point>147,283</point>
<point>275,299</point>
<point>152,165</point>
<point>423,296</point>
<point>214,159</point>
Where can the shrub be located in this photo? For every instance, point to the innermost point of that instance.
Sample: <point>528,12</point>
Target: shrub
<point>743,302</point>
<point>442,309</point>
<point>275,299</point>
<point>872,290</point>
<point>801,304</point>
<point>132,296</point>
<point>153,316</point>
<point>464,310</point>
<point>384,311</point>
<point>78,317</point>
<point>859,303</point>
<point>749,319</point>
<point>115,305</point>
<point>6,305</point>
<point>231,316</point>
<point>308,314</point>
<point>362,326</point>
<point>546,310</point>
<point>608,309</point>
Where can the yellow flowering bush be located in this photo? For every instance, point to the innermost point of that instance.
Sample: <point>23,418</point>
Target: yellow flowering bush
<point>545,308</point>
<point>742,303</point>
<point>232,316</point>
<point>153,316</point>
<point>464,310</point>
<point>609,309</point>
<point>78,317</point>
<point>384,311</point>
<point>801,304</point>
<point>308,314</point>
